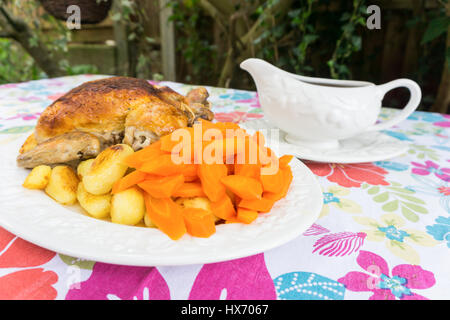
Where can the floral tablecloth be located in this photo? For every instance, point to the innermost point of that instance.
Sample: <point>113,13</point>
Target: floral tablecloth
<point>384,232</point>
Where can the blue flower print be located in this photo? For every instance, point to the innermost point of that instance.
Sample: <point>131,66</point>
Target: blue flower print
<point>398,135</point>
<point>395,284</point>
<point>390,165</point>
<point>329,197</point>
<point>426,116</point>
<point>392,233</point>
<point>440,230</point>
<point>238,95</point>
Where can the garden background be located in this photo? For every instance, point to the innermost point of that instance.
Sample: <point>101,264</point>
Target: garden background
<point>203,41</point>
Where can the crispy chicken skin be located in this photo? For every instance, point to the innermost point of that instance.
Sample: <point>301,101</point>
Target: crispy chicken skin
<point>100,113</point>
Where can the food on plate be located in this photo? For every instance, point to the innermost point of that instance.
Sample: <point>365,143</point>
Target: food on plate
<point>127,207</point>
<point>101,113</point>
<point>213,191</point>
<point>187,182</point>
<point>199,223</point>
<point>62,185</point>
<point>193,202</point>
<point>97,206</point>
<point>246,216</point>
<point>38,177</point>
<point>166,215</point>
<point>84,167</point>
<point>148,222</point>
<point>107,168</point>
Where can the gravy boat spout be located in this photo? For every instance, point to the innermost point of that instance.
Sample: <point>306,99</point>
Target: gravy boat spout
<point>318,112</point>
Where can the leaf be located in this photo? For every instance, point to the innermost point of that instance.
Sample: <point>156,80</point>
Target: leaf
<point>348,205</point>
<point>382,197</point>
<point>401,190</point>
<point>21,129</point>
<point>373,190</point>
<point>81,263</point>
<point>390,206</point>
<point>408,214</point>
<point>435,29</point>
<point>410,198</point>
<point>415,207</point>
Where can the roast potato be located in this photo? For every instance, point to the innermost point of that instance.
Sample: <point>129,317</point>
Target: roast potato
<point>127,207</point>
<point>106,169</point>
<point>97,206</point>
<point>62,185</point>
<point>84,168</point>
<point>38,177</point>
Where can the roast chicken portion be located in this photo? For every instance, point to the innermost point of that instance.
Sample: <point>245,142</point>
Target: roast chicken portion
<point>97,114</point>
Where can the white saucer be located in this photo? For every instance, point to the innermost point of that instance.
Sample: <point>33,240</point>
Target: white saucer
<point>366,147</point>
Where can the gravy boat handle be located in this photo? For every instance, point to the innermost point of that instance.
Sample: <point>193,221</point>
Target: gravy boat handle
<point>413,103</point>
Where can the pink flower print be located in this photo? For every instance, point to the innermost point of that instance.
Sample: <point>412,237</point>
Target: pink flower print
<point>241,279</point>
<point>431,167</point>
<point>376,279</point>
<point>444,190</point>
<point>253,102</point>
<point>56,96</point>
<point>236,116</point>
<point>25,116</point>
<point>315,230</point>
<point>9,85</point>
<point>115,282</point>
<point>445,124</point>
<point>28,99</point>
<point>339,244</point>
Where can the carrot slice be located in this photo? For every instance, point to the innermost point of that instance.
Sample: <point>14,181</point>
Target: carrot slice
<point>283,162</point>
<point>136,159</point>
<point>168,142</point>
<point>199,222</point>
<point>244,187</point>
<point>246,216</point>
<point>251,153</point>
<point>166,215</point>
<point>273,182</point>
<point>228,126</point>
<point>223,208</point>
<point>258,137</point>
<point>189,170</point>
<point>163,165</point>
<point>190,178</point>
<point>232,220</point>
<point>287,179</point>
<point>261,205</point>
<point>162,187</point>
<point>210,175</point>
<point>248,170</point>
<point>128,181</point>
<point>230,168</point>
<point>188,190</point>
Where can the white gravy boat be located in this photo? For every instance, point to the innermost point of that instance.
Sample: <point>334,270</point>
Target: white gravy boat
<point>317,112</point>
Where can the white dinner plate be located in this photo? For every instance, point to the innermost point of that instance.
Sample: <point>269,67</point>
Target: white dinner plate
<point>35,217</point>
<point>365,147</point>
